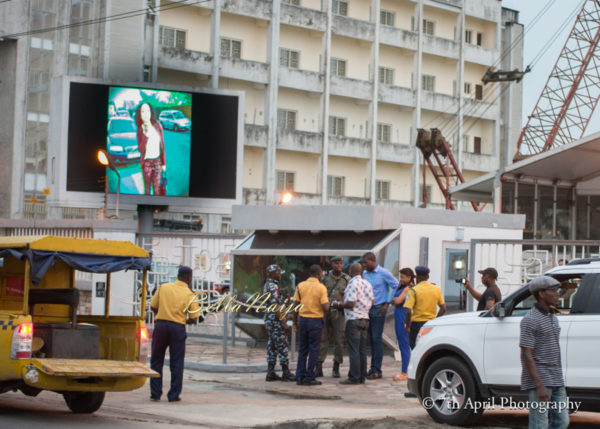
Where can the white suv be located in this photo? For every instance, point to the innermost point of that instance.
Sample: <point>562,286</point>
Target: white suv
<point>469,358</point>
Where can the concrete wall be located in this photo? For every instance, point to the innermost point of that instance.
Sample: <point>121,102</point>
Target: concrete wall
<point>444,70</point>
<point>252,33</point>
<point>126,42</point>
<point>400,119</point>
<point>400,60</point>
<point>445,21</point>
<point>356,115</point>
<point>399,177</point>
<point>307,108</point>
<point>354,171</point>
<point>8,85</point>
<point>308,42</point>
<point>403,10</point>
<point>305,167</point>
<point>253,168</point>
<point>356,55</point>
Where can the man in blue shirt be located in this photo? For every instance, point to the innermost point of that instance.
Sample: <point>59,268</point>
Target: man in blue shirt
<point>384,284</point>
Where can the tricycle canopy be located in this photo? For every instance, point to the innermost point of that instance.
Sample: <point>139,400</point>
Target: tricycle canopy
<point>93,256</point>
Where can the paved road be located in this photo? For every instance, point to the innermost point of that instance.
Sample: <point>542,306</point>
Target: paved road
<point>213,400</point>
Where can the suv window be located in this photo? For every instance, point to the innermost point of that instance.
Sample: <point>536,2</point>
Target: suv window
<point>567,292</point>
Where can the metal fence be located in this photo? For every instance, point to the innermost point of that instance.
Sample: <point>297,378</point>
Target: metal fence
<point>519,261</point>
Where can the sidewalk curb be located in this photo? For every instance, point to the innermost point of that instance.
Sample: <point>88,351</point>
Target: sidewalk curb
<point>222,367</point>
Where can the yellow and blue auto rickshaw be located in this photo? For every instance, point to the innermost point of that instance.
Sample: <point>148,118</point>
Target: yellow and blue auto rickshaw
<point>45,344</point>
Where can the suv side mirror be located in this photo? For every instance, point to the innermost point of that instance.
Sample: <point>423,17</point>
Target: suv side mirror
<point>498,310</point>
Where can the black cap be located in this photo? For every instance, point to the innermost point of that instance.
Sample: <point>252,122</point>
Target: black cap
<point>421,270</point>
<point>490,272</point>
<point>184,271</point>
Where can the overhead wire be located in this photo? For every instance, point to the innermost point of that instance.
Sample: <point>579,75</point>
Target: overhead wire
<point>116,17</point>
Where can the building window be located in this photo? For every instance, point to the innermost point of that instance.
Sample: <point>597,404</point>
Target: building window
<point>225,225</point>
<point>171,37</point>
<point>285,181</point>
<point>286,119</point>
<point>386,75</point>
<point>382,189</point>
<point>337,126</point>
<point>147,73</point>
<point>338,67</point>
<point>468,36</point>
<point>292,2</point>
<point>479,39</point>
<point>387,18</point>
<point>428,82</point>
<point>231,48</point>
<point>335,186</point>
<point>340,7</point>
<point>467,88</point>
<point>479,92</point>
<point>428,26</point>
<point>477,145</point>
<point>289,58</point>
<point>384,132</point>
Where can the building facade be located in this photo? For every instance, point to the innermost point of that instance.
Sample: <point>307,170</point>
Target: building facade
<point>334,90</point>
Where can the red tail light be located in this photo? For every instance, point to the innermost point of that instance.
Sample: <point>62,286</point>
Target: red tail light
<point>20,347</point>
<point>144,347</point>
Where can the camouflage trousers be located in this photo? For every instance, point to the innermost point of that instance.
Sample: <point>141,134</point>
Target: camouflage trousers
<point>277,343</point>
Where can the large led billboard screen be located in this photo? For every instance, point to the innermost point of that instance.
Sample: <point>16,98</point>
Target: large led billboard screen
<point>161,142</point>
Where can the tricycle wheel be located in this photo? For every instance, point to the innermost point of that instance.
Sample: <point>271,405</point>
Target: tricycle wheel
<point>84,402</point>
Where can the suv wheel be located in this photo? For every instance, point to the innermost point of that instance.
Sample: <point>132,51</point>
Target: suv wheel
<point>449,391</point>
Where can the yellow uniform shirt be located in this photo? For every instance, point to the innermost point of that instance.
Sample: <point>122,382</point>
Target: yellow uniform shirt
<point>173,300</point>
<point>428,297</point>
<point>311,294</point>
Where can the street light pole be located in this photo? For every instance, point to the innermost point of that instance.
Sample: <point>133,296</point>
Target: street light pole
<point>106,161</point>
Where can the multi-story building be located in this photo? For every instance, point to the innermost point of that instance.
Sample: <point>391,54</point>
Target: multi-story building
<point>334,90</point>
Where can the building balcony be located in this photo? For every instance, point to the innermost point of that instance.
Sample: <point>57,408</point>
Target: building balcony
<point>440,47</point>
<point>185,60</point>
<point>237,68</point>
<point>396,95</point>
<point>253,8</point>
<point>440,102</point>
<point>480,109</point>
<point>303,17</point>
<point>351,88</point>
<point>479,162</point>
<point>398,37</point>
<point>254,196</point>
<point>350,147</point>
<point>300,141</point>
<point>353,28</point>
<point>255,135</point>
<point>395,152</point>
<point>306,198</point>
<point>348,201</point>
<point>479,55</point>
<point>304,80</point>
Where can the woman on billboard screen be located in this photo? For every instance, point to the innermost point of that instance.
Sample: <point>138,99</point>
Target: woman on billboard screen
<point>151,145</point>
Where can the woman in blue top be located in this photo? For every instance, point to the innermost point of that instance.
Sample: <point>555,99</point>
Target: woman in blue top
<point>407,280</point>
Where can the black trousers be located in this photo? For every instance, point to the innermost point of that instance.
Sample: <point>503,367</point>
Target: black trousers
<point>171,335</point>
<point>356,337</point>
<point>415,327</point>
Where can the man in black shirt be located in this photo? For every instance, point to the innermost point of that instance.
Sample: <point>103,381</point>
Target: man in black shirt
<point>491,295</point>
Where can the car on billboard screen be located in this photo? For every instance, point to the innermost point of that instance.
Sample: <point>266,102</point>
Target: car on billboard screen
<point>174,120</point>
<point>122,140</point>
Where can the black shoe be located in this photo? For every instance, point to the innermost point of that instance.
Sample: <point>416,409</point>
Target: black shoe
<point>286,374</point>
<point>271,374</point>
<point>311,383</point>
<point>299,381</point>
<point>176,399</point>
<point>319,370</point>
<point>374,376</point>
<point>154,398</point>
<point>348,381</point>
<point>336,370</point>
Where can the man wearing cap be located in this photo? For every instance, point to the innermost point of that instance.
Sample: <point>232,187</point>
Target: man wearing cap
<point>312,295</point>
<point>276,326</point>
<point>422,304</point>
<point>384,285</point>
<point>541,369</point>
<point>333,323</point>
<point>174,304</point>
<point>491,295</point>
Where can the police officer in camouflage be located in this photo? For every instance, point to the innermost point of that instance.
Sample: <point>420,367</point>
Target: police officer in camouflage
<point>334,323</point>
<point>277,328</point>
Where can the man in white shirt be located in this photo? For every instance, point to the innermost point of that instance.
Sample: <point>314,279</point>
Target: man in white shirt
<point>358,300</point>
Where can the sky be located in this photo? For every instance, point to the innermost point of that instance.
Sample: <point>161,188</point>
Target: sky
<point>534,40</point>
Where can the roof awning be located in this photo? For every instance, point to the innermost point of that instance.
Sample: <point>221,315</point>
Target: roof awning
<point>574,164</point>
<point>315,243</point>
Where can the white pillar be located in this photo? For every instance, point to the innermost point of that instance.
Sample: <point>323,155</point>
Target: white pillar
<point>417,111</point>
<point>215,43</point>
<point>326,64</point>
<point>374,101</point>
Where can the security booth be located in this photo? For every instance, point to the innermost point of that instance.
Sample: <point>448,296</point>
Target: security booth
<point>295,237</point>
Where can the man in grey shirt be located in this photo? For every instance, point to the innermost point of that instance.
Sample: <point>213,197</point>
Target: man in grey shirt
<point>541,369</point>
